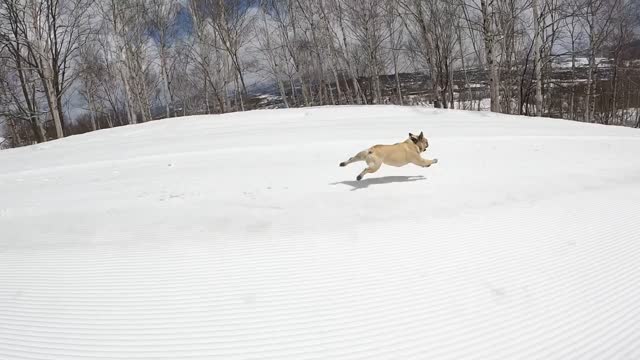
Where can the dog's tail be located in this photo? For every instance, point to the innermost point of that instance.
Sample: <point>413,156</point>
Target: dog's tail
<point>361,156</point>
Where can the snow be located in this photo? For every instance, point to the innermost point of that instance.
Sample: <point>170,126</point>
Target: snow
<point>565,62</point>
<point>240,237</point>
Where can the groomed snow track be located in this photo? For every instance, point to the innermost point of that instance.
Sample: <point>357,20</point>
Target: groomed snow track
<point>239,237</point>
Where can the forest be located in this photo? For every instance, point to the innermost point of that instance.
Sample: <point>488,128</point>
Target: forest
<point>73,66</point>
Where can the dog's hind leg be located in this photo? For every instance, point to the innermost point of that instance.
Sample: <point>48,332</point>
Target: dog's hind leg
<point>361,156</point>
<point>373,167</point>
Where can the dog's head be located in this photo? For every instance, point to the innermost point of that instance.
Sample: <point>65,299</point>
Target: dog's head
<point>420,141</point>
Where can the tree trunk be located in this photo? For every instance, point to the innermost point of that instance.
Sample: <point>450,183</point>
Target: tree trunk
<point>16,140</point>
<point>638,112</point>
<point>168,97</point>
<point>397,77</point>
<point>494,80</point>
<point>334,71</point>
<point>274,63</point>
<point>206,97</point>
<point>572,114</point>
<point>590,19</point>
<point>50,93</point>
<point>131,114</point>
<point>464,70</point>
<point>292,87</point>
<point>537,57</point>
<point>92,110</point>
<point>53,105</point>
<point>451,94</point>
<point>587,112</point>
<point>31,101</point>
<point>57,90</point>
<point>36,119</point>
<point>614,97</point>
<point>142,93</point>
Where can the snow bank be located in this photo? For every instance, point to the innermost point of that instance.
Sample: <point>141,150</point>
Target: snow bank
<point>239,237</point>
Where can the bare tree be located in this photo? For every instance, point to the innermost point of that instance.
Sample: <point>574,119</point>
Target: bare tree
<point>162,19</point>
<point>366,24</point>
<point>47,35</point>
<point>623,21</point>
<point>231,21</point>
<point>89,67</point>
<point>490,39</point>
<point>537,48</point>
<point>13,33</point>
<point>265,38</point>
<point>597,15</point>
<point>125,41</point>
<point>572,26</point>
<point>205,52</point>
<point>396,34</point>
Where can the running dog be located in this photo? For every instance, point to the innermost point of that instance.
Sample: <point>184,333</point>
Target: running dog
<point>399,154</point>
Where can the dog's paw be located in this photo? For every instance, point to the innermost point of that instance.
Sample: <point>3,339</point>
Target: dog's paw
<point>435,161</point>
<point>359,177</point>
<point>343,164</point>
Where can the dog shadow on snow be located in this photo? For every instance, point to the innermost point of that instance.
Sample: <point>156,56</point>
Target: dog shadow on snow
<point>365,183</point>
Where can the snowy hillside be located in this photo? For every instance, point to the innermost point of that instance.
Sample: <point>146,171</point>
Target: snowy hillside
<point>240,237</point>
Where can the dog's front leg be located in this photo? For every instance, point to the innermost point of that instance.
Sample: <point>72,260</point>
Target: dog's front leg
<point>424,162</point>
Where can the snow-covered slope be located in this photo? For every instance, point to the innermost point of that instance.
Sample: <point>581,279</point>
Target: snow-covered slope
<point>239,237</point>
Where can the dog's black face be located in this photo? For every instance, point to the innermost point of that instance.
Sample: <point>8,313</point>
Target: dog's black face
<point>420,141</point>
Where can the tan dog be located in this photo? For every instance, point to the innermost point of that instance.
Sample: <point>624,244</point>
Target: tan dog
<point>399,154</point>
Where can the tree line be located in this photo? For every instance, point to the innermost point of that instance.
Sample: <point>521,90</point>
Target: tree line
<point>71,66</point>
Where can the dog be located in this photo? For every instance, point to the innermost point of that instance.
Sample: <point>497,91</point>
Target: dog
<point>399,154</point>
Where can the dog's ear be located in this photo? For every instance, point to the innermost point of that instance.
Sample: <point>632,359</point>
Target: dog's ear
<point>413,137</point>
<point>421,136</point>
